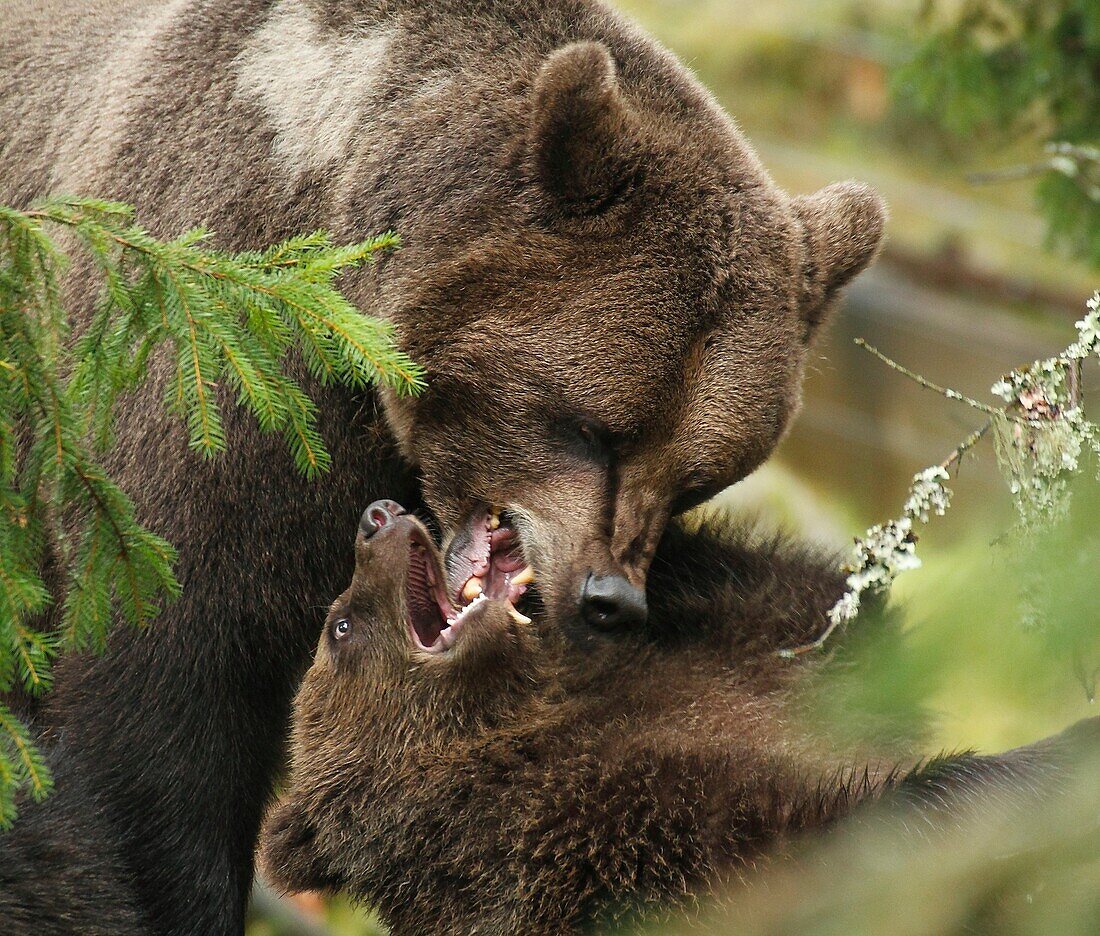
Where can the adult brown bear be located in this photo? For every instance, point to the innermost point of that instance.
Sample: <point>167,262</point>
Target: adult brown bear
<point>471,773</point>
<point>611,299</point>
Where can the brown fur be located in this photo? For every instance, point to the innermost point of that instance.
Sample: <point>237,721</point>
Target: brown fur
<point>61,871</point>
<point>588,241</point>
<point>526,783</point>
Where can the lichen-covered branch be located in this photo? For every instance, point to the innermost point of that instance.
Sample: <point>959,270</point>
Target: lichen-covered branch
<point>1041,432</point>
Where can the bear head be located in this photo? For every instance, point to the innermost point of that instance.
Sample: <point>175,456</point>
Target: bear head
<point>622,341</point>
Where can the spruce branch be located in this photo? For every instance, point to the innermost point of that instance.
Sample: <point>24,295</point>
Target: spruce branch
<point>21,766</point>
<point>232,321</point>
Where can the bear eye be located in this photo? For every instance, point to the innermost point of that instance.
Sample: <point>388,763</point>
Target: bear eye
<point>587,438</point>
<point>341,628</point>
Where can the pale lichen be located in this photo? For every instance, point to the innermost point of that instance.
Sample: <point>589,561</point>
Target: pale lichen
<point>1040,436</point>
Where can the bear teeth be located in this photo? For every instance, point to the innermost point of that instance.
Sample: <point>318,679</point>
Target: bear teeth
<point>524,576</point>
<point>457,619</point>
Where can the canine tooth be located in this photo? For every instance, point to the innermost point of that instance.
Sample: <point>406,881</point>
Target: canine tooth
<point>517,617</point>
<point>471,589</point>
<point>494,520</point>
<point>524,576</point>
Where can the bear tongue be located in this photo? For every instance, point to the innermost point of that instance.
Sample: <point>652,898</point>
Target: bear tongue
<point>505,575</point>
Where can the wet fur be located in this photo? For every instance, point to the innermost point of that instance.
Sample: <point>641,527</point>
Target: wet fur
<point>602,776</point>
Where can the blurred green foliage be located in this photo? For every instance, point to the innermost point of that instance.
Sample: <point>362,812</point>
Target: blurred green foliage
<point>1033,873</point>
<point>1000,871</point>
<point>272,915</point>
<point>965,641</point>
<point>1002,70</point>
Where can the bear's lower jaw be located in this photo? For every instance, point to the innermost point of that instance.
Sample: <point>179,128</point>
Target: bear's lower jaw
<point>435,624</point>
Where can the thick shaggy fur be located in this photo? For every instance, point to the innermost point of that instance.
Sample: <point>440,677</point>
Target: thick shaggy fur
<point>529,783</point>
<point>61,871</point>
<point>589,245</point>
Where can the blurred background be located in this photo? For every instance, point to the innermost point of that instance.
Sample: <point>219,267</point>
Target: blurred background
<point>947,109</point>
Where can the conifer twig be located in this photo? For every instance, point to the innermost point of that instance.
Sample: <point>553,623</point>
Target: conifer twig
<point>229,320</point>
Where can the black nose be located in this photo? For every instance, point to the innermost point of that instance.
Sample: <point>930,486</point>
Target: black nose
<point>610,602</point>
<point>377,515</point>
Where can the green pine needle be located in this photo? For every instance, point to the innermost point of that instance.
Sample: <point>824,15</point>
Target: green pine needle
<point>230,322</point>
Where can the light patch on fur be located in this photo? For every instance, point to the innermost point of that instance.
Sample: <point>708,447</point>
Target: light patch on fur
<point>435,84</point>
<point>88,134</point>
<point>311,83</point>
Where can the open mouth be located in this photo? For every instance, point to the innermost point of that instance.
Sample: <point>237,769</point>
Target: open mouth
<point>486,561</point>
<point>435,620</point>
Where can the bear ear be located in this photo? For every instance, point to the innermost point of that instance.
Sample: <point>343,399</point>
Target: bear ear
<point>843,227</point>
<point>289,855</point>
<point>583,138</point>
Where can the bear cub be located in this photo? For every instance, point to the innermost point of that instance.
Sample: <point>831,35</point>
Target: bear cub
<point>479,772</point>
